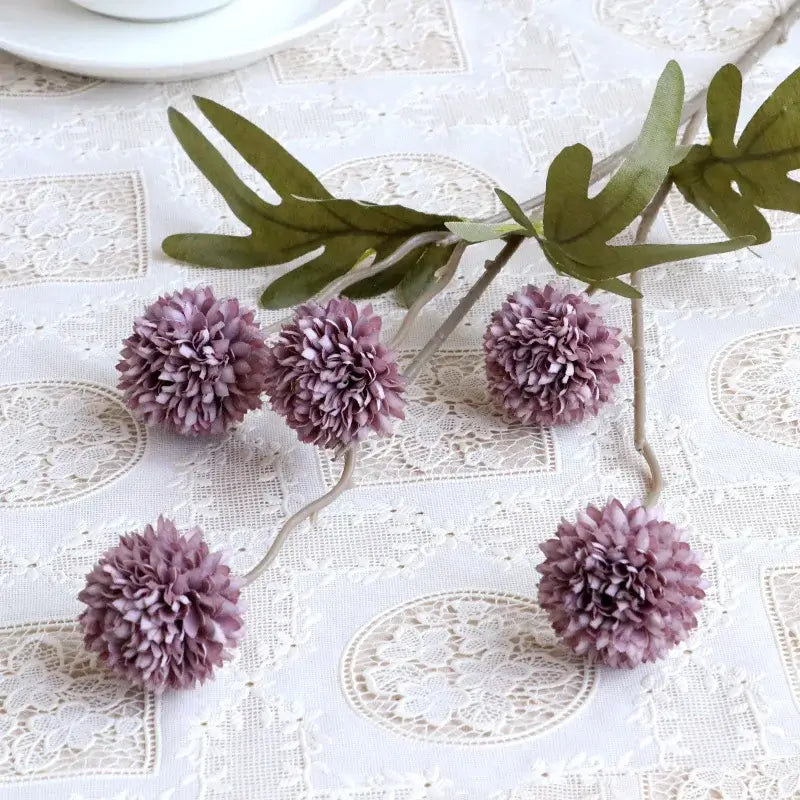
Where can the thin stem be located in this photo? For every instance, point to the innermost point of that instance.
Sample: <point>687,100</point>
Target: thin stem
<point>342,485</point>
<point>491,271</point>
<point>433,289</point>
<point>649,216</point>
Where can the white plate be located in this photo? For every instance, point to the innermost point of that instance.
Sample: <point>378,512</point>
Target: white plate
<point>61,35</point>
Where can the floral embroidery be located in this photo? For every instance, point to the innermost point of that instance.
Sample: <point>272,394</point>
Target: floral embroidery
<point>61,440</point>
<point>466,668</point>
<point>62,714</point>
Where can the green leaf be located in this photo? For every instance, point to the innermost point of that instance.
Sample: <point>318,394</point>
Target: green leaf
<point>600,263</point>
<point>308,222</point>
<point>616,286</point>
<point>730,181</point>
<point>571,215</point>
<point>283,172</point>
<point>243,201</point>
<point>577,227</point>
<point>516,211</point>
<point>475,232</point>
<point>214,250</point>
<point>423,273</point>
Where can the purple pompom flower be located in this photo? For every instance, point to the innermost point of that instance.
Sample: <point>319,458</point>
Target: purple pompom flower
<point>620,585</point>
<point>331,378</point>
<point>162,610</point>
<point>549,357</point>
<point>194,363</point>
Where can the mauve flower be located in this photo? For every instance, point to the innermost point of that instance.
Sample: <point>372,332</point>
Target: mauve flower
<point>162,609</point>
<point>194,363</point>
<point>331,378</point>
<point>620,586</point>
<point>549,357</point>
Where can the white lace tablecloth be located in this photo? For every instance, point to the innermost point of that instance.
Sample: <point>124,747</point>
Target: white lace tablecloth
<point>397,652</point>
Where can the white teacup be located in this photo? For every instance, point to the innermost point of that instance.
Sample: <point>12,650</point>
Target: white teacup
<point>151,10</point>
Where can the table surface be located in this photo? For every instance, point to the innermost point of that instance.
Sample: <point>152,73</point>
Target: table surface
<point>397,651</point>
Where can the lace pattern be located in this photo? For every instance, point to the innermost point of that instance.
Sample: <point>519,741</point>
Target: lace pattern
<point>64,716</point>
<point>20,78</point>
<point>755,385</point>
<point>378,36</point>
<point>716,287</point>
<point>268,726</point>
<point>429,104</point>
<point>61,440</point>
<point>714,25</point>
<point>364,542</point>
<point>781,588</point>
<point>588,786</point>
<point>235,489</point>
<point>278,624</point>
<point>451,428</point>
<point>77,228</point>
<point>730,702</point>
<point>778,779</point>
<point>471,668</point>
<point>430,182</point>
<point>745,512</point>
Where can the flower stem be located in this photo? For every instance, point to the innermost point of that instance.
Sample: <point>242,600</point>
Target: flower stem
<point>493,267</point>
<point>441,282</point>
<point>637,327</point>
<point>342,485</point>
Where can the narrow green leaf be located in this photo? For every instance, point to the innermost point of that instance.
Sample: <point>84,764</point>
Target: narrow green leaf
<point>774,130</point>
<point>725,99</point>
<point>310,278</point>
<point>570,215</point>
<point>282,171</point>
<point>595,264</point>
<point>567,208</point>
<point>630,189</point>
<point>386,281</point>
<point>516,211</point>
<point>616,286</point>
<point>214,250</point>
<point>423,273</point>
<point>475,232</point>
<point>243,201</point>
<point>641,256</point>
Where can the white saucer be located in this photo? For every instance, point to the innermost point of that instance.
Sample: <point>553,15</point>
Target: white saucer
<point>61,35</point>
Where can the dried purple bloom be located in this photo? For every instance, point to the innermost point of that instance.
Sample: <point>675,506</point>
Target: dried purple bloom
<point>331,378</point>
<point>162,609</point>
<point>620,585</point>
<point>194,363</point>
<point>549,357</point>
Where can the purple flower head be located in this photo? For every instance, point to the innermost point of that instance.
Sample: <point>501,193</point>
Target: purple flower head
<point>162,610</point>
<point>331,378</point>
<point>194,363</point>
<point>620,585</point>
<point>549,357</point>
